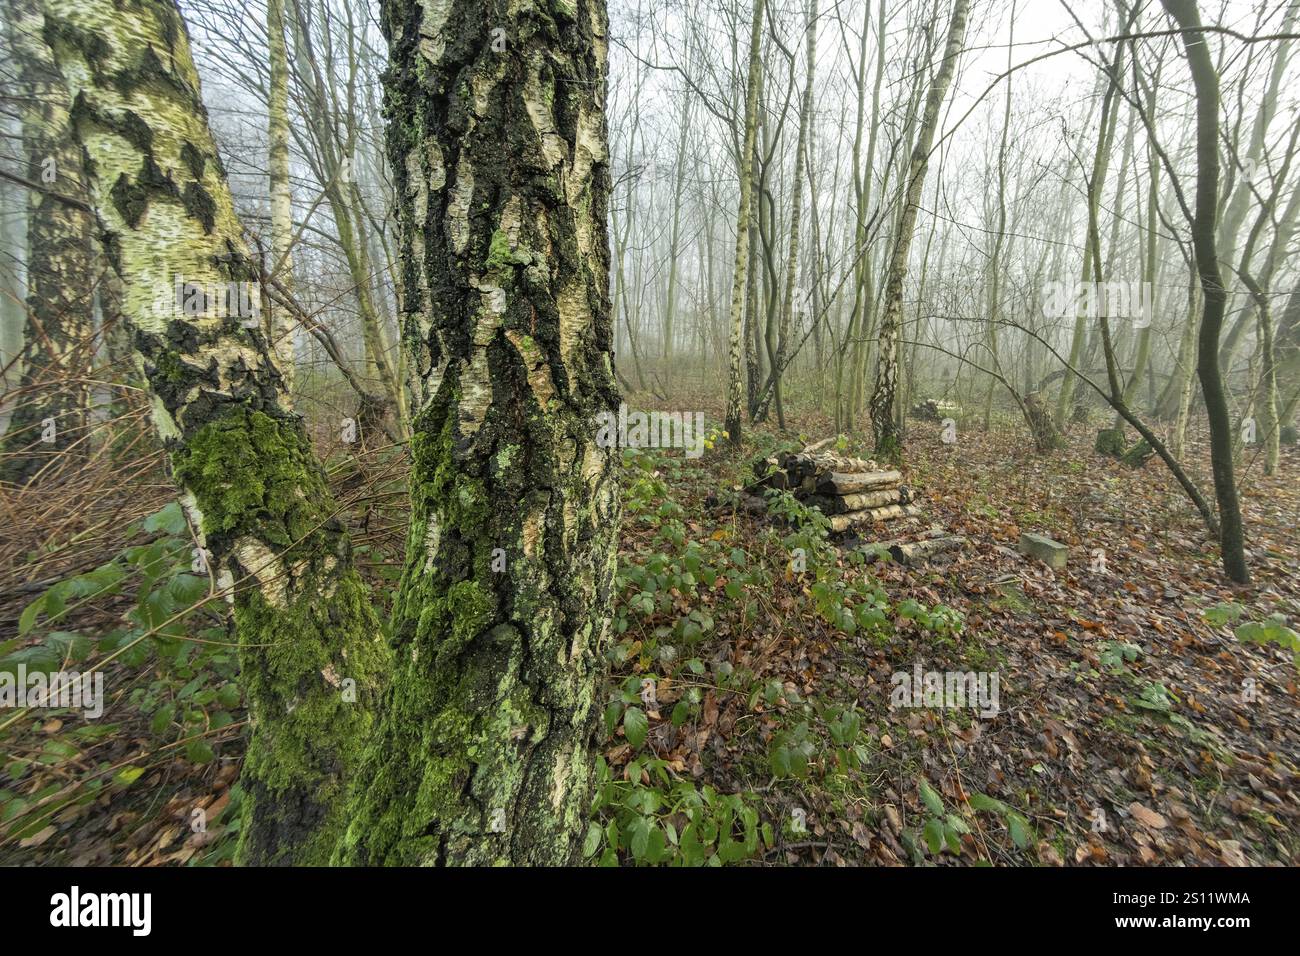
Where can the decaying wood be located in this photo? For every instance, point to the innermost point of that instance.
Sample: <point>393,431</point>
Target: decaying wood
<point>828,462</point>
<point>843,483</point>
<point>915,548</point>
<point>913,552</point>
<point>841,504</point>
<point>788,470</point>
<point>870,515</point>
<point>849,491</point>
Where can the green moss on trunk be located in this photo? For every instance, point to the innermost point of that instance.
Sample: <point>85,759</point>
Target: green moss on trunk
<point>483,753</point>
<point>311,647</point>
<point>1110,442</point>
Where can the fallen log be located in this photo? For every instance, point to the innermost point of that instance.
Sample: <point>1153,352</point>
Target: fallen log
<point>871,515</point>
<point>918,551</point>
<point>843,483</point>
<point>842,504</point>
<point>877,549</point>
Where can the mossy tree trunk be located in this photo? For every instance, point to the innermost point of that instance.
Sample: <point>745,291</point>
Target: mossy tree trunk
<point>59,339</point>
<point>1287,359</point>
<point>311,650</point>
<point>496,131</point>
<point>1184,375</point>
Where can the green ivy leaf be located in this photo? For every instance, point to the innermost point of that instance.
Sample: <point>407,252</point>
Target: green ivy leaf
<point>592,842</point>
<point>612,713</point>
<point>931,799</point>
<point>228,695</point>
<point>1221,614</point>
<point>934,835</point>
<point>982,801</point>
<point>27,620</point>
<point>1019,828</point>
<point>199,751</point>
<point>635,726</point>
<point>162,719</point>
<point>640,841</point>
<point>170,520</point>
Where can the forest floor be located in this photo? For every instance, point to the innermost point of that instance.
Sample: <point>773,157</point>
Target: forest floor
<point>1129,730</point>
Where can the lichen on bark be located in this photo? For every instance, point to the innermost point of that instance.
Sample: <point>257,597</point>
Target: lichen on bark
<point>49,412</point>
<point>311,649</point>
<point>483,754</point>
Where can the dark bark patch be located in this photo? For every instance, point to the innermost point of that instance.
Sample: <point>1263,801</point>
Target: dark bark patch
<point>193,159</point>
<point>200,205</point>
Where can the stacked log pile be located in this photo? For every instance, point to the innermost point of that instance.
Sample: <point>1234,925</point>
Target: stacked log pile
<point>934,410</point>
<point>849,491</point>
<point>854,494</point>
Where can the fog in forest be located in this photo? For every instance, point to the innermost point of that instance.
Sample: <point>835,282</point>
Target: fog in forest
<point>546,432</point>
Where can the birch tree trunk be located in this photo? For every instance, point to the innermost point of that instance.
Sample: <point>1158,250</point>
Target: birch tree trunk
<point>281,195</point>
<point>994,301</point>
<point>739,273</point>
<point>883,420</point>
<point>796,212</point>
<point>311,650</point>
<point>674,238</point>
<point>1142,351</point>
<point>496,132</point>
<point>59,336</point>
<point>13,239</point>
